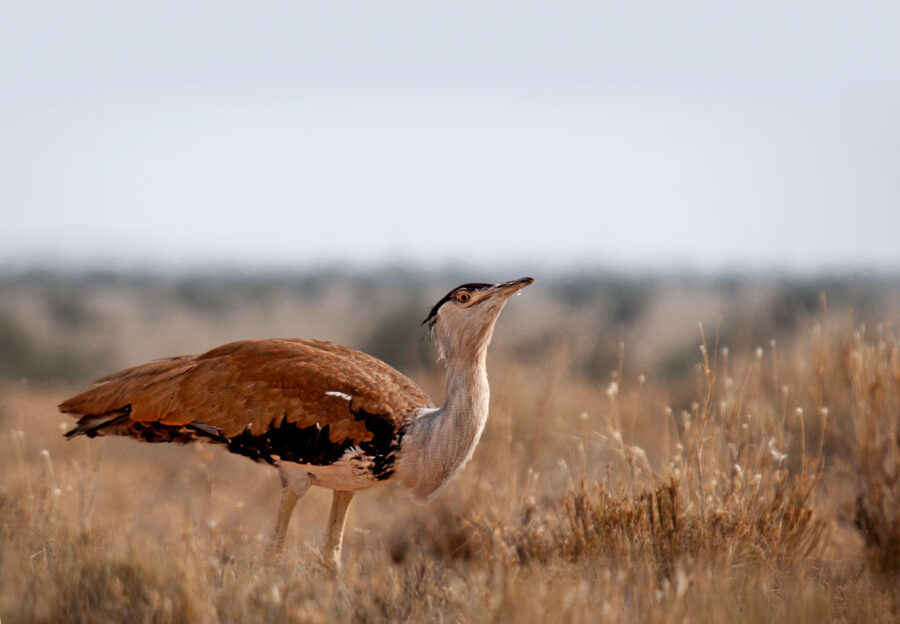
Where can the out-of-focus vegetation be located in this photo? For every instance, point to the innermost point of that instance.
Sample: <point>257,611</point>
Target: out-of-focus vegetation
<point>659,450</point>
<point>57,327</point>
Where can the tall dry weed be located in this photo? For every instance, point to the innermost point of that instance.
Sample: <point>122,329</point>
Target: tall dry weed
<point>873,367</point>
<point>718,498</point>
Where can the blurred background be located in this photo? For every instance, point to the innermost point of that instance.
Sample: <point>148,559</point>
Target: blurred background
<point>176,175</point>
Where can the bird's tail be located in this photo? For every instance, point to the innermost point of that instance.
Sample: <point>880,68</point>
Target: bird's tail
<point>92,424</point>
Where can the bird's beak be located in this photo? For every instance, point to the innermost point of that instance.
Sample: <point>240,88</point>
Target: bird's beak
<point>507,289</point>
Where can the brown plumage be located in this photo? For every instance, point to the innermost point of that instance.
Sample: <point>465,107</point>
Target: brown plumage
<point>249,387</point>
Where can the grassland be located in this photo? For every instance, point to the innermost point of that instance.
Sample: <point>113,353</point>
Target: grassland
<point>636,466</point>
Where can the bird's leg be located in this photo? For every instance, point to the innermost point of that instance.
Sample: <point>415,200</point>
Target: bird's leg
<point>292,489</point>
<point>336,520</point>
<point>289,498</point>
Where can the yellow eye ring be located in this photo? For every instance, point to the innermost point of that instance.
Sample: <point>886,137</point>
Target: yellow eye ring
<point>463,296</point>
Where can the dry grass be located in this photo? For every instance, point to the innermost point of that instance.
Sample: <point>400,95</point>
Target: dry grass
<point>766,488</point>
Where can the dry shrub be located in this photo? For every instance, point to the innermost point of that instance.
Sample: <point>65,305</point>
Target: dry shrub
<point>655,525</point>
<point>727,496</point>
<point>711,499</point>
<point>874,377</point>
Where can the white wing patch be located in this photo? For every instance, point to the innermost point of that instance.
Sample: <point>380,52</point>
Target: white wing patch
<point>340,395</point>
<point>422,411</point>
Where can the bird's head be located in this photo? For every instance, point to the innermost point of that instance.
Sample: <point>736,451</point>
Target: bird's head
<point>463,321</point>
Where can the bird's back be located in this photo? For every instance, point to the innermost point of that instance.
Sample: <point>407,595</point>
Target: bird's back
<point>297,400</point>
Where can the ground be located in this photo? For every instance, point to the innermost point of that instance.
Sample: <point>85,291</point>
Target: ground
<point>759,485</point>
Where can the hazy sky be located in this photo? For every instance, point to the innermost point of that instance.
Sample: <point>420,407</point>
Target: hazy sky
<point>636,134</point>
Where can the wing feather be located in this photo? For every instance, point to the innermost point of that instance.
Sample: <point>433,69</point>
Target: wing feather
<point>252,386</point>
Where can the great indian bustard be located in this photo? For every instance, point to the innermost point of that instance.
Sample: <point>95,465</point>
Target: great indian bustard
<point>322,413</point>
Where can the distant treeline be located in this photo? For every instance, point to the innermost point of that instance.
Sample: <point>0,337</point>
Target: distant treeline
<point>62,327</point>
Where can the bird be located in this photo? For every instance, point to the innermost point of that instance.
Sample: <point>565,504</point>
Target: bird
<point>321,413</point>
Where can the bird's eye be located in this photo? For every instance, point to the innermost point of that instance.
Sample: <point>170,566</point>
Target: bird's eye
<point>463,296</point>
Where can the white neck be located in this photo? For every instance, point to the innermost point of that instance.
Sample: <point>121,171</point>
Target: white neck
<point>440,442</point>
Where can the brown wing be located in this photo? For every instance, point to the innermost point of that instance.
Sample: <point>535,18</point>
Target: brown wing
<point>252,388</point>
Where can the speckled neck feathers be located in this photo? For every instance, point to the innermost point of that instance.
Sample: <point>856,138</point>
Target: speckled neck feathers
<point>440,442</point>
